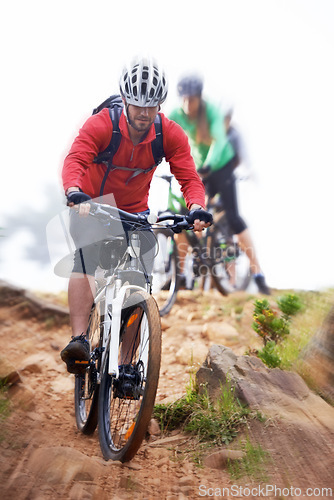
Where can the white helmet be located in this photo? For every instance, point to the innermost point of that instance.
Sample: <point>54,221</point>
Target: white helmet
<point>143,84</point>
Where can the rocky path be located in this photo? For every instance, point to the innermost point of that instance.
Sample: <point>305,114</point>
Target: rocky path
<point>43,456</point>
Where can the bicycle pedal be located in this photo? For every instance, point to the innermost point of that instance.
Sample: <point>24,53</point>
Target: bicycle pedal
<point>76,366</point>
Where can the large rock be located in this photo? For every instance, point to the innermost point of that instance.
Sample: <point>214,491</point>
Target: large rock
<point>319,358</point>
<point>29,305</point>
<point>219,332</point>
<point>221,458</point>
<point>272,391</point>
<point>63,464</point>
<point>191,353</point>
<point>8,373</point>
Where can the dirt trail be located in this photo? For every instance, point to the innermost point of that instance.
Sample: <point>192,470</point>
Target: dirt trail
<point>43,456</point>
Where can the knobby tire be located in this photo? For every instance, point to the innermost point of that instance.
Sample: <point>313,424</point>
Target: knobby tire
<point>165,271</point>
<point>122,421</point>
<point>86,389</point>
<point>219,268</point>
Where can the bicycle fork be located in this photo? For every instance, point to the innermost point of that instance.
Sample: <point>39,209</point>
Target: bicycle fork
<point>115,297</point>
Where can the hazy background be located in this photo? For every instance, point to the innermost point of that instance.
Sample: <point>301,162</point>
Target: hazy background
<point>272,59</point>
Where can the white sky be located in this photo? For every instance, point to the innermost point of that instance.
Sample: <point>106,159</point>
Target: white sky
<point>273,59</point>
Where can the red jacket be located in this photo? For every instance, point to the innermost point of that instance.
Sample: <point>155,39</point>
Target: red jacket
<point>95,135</point>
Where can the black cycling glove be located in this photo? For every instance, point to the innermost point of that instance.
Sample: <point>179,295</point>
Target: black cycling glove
<point>77,197</point>
<point>200,215</point>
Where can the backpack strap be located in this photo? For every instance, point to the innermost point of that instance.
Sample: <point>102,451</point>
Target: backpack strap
<point>108,154</point>
<point>113,100</point>
<point>157,144</point>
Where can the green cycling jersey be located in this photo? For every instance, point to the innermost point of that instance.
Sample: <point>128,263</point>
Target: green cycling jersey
<point>219,152</point>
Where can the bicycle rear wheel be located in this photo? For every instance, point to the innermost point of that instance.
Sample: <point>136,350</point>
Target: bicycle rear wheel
<point>230,269</point>
<point>165,278</point>
<point>126,403</point>
<point>86,389</point>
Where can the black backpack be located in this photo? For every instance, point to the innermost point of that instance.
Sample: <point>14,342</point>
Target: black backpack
<point>115,105</point>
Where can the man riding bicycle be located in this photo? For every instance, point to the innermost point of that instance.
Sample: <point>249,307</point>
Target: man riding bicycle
<point>143,88</point>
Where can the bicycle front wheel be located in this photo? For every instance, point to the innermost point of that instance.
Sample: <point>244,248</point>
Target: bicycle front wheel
<point>86,388</point>
<point>165,281</point>
<point>126,403</point>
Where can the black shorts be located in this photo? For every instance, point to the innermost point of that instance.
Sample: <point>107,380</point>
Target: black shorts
<point>223,182</point>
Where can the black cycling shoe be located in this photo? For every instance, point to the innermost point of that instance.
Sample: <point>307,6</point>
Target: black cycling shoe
<point>76,355</point>
<point>261,284</point>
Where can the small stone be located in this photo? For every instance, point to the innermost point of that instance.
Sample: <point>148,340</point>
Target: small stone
<point>170,441</point>
<point>186,490</point>
<point>164,324</point>
<point>156,453</point>
<point>162,462</point>
<point>220,459</point>
<point>35,417</point>
<point>154,428</point>
<point>186,481</point>
<point>156,481</point>
<point>132,466</point>
<point>191,352</point>
<point>8,372</point>
<point>22,397</point>
<point>55,346</point>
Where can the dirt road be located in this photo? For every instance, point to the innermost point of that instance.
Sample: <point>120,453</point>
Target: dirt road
<point>43,456</point>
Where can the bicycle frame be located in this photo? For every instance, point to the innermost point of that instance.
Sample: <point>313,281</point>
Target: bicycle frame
<point>112,295</point>
<point>116,392</point>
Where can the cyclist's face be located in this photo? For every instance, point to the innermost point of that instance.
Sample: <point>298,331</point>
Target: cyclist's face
<point>142,118</point>
<point>190,106</point>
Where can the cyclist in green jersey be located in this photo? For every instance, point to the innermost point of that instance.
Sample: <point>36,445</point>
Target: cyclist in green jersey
<point>215,161</point>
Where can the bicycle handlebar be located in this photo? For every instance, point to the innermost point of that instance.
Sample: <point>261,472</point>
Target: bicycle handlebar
<point>108,210</point>
<point>180,222</point>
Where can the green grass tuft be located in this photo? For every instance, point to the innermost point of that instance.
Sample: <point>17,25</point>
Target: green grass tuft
<point>215,423</point>
<point>253,465</point>
<point>4,406</point>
